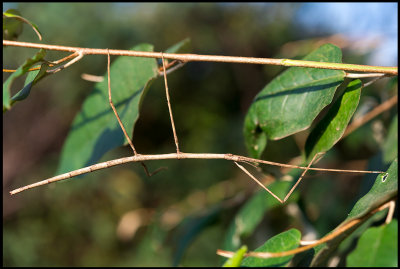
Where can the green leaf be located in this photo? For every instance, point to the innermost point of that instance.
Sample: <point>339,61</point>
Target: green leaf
<point>331,128</point>
<point>282,242</point>
<point>237,258</point>
<point>390,146</point>
<point>383,190</point>
<point>95,130</point>
<point>32,78</point>
<point>377,247</point>
<point>23,69</point>
<point>14,14</point>
<point>291,101</point>
<point>253,211</point>
<point>11,28</point>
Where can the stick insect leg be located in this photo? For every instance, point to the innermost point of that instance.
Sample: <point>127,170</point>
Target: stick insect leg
<point>169,106</point>
<point>120,122</point>
<point>301,177</point>
<point>258,182</point>
<point>268,190</point>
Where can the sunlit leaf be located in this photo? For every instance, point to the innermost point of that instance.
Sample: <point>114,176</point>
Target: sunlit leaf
<point>282,242</point>
<point>291,101</point>
<point>377,247</point>
<point>383,190</point>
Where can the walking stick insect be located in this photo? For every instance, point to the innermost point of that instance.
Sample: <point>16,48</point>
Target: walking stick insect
<point>178,152</point>
<point>181,155</point>
<point>178,155</point>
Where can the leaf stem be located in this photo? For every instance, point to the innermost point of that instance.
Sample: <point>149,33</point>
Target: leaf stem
<point>370,115</point>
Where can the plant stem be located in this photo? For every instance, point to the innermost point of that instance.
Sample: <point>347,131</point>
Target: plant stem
<point>346,227</point>
<point>212,58</point>
<point>370,115</point>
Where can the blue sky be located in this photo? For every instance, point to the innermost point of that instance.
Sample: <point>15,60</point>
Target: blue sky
<point>358,21</point>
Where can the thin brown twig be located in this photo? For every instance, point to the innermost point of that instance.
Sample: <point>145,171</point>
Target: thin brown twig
<point>370,115</point>
<point>79,56</point>
<point>14,70</point>
<point>168,65</point>
<point>367,75</point>
<point>213,58</point>
<point>389,216</point>
<point>169,106</point>
<point>339,230</point>
<point>92,78</point>
<point>95,78</point>
<point>50,63</point>
<point>72,55</point>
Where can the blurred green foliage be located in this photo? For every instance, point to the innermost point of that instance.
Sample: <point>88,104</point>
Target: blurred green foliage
<point>80,222</point>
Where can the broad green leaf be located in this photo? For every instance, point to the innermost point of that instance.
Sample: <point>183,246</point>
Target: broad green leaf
<point>253,211</point>
<point>237,258</point>
<point>32,78</point>
<point>14,14</point>
<point>377,247</point>
<point>390,146</point>
<point>383,190</point>
<point>331,128</point>
<point>95,130</point>
<point>282,242</point>
<point>12,28</point>
<point>24,68</point>
<point>291,101</point>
